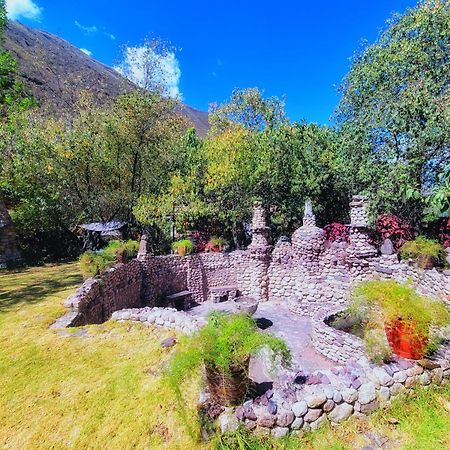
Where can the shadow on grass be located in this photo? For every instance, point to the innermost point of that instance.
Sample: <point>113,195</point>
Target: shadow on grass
<point>35,287</point>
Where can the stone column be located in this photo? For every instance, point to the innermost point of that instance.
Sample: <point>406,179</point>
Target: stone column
<point>360,248</point>
<point>253,264</point>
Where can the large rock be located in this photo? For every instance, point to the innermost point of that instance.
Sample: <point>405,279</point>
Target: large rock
<point>341,412</point>
<point>387,247</point>
<point>300,408</point>
<point>349,395</point>
<point>316,400</point>
<point>228,422</point>
<point>312,415</point>
<point>366,393</point>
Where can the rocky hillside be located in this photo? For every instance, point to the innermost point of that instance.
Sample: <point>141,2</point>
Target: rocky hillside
<point>55,71</point>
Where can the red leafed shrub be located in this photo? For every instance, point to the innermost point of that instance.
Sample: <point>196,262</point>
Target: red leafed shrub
<point>336,232</point>
<point>444,232</point>
<point>200,240</point>
<point>392,227</point>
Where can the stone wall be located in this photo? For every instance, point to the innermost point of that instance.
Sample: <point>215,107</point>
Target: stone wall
<point>9,253</point>
<point>95,301</point>
<point>301,402</point>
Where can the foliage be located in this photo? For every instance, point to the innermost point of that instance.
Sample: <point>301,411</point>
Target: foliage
<point>58,175</point>
<point>376,345</point>
<point>95,263</point>
<point>389,226</point>
<point>394,118</point>
<point>423,246</point>
<point>336,232</point>
<point>217,241</point>
<point>185,244</point>
<point>225,341</point>
<point>444,232</point>
<point>375,303</point>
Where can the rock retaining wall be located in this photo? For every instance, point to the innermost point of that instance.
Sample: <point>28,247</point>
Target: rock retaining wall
<point>300,402</point>
<point>94,302</point>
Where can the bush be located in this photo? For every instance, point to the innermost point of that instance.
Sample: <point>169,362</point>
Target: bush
<point>376,303</point>
<point>95,263</point>
<point>336,232</point>
<point>444,232</point>
<point>185,245</point>
<point>392,227</point>
<point>421,246</point>
<point>225,343</point>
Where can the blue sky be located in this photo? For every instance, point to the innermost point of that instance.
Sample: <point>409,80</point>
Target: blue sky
<point>295,49</point>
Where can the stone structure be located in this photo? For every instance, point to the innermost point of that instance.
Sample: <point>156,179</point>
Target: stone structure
<point>303,402</point>
<point>9,253</point>
<point>313,277</point>
<point>309,274</point>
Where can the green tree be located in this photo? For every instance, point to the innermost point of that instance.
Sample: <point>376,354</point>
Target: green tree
<point>394,115</point>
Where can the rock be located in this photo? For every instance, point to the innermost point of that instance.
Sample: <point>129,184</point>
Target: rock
<point>384,393</point>
<point>312,415</point>
<point>285,418</point>
<point>387,247</point>
<point>396,388</point>
<point>300,408</point>
<point>279,432</point>
<point>341,412</point>
<point>319,422</point>
<point>383,377</point>
<point>425,379</point>
<point>316,400</point>
<point>366,393</point>
<point>297,423</point>
<point>437,375</point>
<point>228,422</point>
<point>349,395</point>
<point>168,342</point>
<point>369,407</point>
<point>266,420</point>
<point>250,424</point>
<point>337,397</point>
<point>428,364</point>
<point>400,376</point>
<point>328,406</point>
<point>272,407</point>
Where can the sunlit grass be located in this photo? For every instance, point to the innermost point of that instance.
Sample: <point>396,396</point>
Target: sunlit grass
<point>102,389</point>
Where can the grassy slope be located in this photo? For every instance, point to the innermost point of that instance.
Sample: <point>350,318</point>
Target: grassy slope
<point>101,389</point>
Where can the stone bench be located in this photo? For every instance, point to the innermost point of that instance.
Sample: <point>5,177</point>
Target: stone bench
<point>180,300</point>
<point>223,293</point>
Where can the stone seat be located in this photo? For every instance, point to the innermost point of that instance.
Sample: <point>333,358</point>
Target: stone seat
<point>180,300</point>
<point>223,293</point>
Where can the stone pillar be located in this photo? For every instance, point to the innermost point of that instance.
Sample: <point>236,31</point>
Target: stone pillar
<point>253,264</point>
<point>360,247</point>
<point>143,251</point>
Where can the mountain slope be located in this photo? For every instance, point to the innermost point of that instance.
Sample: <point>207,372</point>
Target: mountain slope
<point>55,72</point>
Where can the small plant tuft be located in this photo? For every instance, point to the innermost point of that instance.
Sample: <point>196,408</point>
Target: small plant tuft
<point>421,246</point>
<point>183,246</point>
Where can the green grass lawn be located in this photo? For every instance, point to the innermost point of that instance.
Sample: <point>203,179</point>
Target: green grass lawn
<point>100,388</point>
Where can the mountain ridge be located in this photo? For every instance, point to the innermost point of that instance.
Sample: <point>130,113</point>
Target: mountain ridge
<point>55,72</point>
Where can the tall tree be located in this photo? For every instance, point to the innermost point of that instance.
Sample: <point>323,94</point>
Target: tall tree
<point>395,111</point>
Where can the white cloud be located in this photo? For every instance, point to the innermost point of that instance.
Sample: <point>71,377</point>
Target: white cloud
<point>148,69</point>
<point>110,35</point>
<point>86,51</point>
<point>87,29</point>
<point>27,9</point>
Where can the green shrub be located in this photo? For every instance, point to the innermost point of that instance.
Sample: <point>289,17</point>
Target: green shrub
<point>375,303</point>
<point>227,340</point>
<point>423,246</point>
<point>183,243</point>
<point>217,241</point>
<point>95,263</point>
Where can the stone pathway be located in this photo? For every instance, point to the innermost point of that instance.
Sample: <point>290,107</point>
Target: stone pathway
<point>281,322</point>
